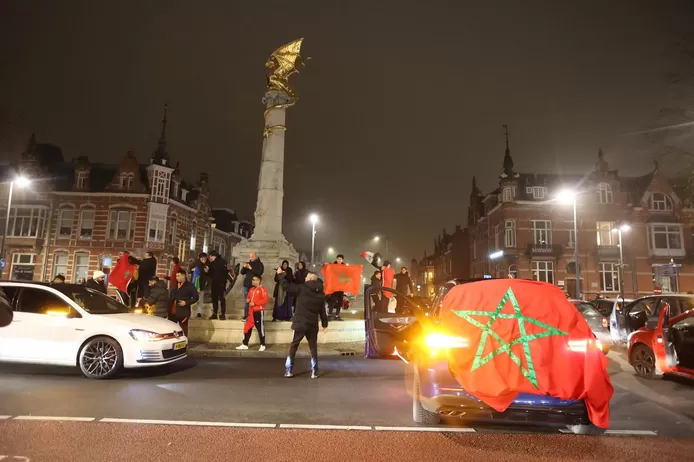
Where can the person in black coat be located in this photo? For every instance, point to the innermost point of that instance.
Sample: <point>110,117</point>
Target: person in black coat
<point>219,273</point>
<point>6,313</point>
<point>299,277</point>
<point>158,299</point>
<point>283,299</point>
<point>147,269</point>
<point>97,282</point>
<point>335,299</point>
<point>310,307</point>
<point>253,267</point>
<point>183,296</point>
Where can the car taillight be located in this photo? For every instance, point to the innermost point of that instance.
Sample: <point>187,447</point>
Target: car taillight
<point>581,346</point>
<point>604,322</point>
<point>436,341</point>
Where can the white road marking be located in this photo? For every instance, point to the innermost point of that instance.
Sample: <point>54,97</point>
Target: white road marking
<point>426,429</point>
<point>621,432</point>
<point>5,417</point>
<point>326,427</point>
<point>63,419</point>
<point>188,422</point>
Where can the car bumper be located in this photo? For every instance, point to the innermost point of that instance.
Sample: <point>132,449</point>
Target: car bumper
<point>441,394</point>
<point>143,354</point>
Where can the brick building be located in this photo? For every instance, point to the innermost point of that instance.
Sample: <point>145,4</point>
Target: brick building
<point>227,231</point>
<point>523,218</point>
<point>76,217</point>
<point>450,260</point>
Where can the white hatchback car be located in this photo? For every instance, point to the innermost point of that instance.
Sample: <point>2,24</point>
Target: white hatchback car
<point>70,325</point>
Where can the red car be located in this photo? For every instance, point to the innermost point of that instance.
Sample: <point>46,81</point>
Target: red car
<point>662,337</point>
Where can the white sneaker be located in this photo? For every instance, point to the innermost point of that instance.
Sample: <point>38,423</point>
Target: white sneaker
<point>262,348</point>
<point>242,347</point>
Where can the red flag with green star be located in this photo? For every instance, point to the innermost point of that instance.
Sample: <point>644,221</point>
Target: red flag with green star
<point>122,273</point>
<point>341,278</point>
<point>525,337</point>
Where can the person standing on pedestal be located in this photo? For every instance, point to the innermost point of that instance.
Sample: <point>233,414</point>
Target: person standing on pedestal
<point>254,267</point>
<point>219,273</point>
<point>257,299</point>
<point>335,300</point>
<point>283,301</point>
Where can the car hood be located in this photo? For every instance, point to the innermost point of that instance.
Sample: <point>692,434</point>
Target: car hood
<point>142,321</point>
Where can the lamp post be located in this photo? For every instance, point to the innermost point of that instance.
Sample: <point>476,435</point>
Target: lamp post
<point>314,220</point>
<point>22,182</point>
<point>568,195</point>
<point>494,256</point>
<point>619,230</point>
<point>378,238</point>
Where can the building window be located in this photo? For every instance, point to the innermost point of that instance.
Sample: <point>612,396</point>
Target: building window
<point>81,269</point>
<point>539,192</point>
<point>605,193</point>
<point>174,226</point>
<point>513,271</point>
<point>81,179</point>
<point>87,223</point>
<point>572,239</point>
<point>60,264</point>
<point>175,189</point>
<point>219,245</point>
<point>157,227</point>
<point>67,217</point>
<point>542,232</point>
<point>543,271</point>
<point>509,233</point>
<point>609,277</point>
<point>25,221</point>
<point>665,237</point>
<point>182,249</point>
<point>661,202</point>
<point>160,185</point>
<point>497,234</point>
<point>126,180</point>
<point>121,225</point>
<point>192,237</point>
<point>605,235</point>
<point>474,249</point>
<point>508,195</point>
<point>23,266</point>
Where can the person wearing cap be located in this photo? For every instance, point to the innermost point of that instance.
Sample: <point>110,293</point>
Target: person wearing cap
<point>157,302</point>
<point>97,282</point>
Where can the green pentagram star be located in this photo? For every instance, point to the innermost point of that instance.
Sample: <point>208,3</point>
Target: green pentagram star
<point>525,338</point>
<point>344,278</point>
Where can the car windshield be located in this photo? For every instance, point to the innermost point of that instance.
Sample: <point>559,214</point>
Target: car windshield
<point>92,301</point>
<point>587,310</point>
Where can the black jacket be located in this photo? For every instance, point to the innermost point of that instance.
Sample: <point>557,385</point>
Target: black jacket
<point>146,271</point>
<point>159,297</point>
<point>186,293</point>
<point>257,269</point>
<point>219,272</point>
<point>402,282</point>
<point>300,276</point>
<point>95,285</point>
<point>310,305</point>
<point>6,313</point>
<point>205,274</point>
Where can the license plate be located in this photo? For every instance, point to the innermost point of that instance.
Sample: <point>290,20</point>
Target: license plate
<point>179,345</point>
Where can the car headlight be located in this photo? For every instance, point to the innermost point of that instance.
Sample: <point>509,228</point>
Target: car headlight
<point>145,335</point>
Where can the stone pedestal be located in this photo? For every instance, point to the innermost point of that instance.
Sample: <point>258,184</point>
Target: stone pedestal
<point>267,240</point>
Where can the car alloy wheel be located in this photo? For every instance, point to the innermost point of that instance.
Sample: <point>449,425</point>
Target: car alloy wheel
<point>419,414</point>
<point>643,361</point>
<point>101,358</point>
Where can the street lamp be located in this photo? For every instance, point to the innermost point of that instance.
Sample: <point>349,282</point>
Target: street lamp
<point>494,256</point>
<point>378,238</point>
<point>22,182</point>
<point>331,250</point>
<point>314,220</point>
<point>622,228</point>
<point>398,260</point>
<point>569,196</point>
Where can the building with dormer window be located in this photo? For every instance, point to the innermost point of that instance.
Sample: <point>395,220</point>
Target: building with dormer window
<point>523,218</point>
<point>76,217</point>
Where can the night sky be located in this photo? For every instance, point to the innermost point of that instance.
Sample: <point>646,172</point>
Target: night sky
<point>400,105</point>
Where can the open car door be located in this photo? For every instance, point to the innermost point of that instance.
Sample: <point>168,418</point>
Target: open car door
<point>390,332</point>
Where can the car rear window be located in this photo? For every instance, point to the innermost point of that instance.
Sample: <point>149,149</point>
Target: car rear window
<point>587,310</point>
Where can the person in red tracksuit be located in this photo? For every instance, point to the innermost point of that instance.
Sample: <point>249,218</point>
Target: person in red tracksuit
<point>257,299</point>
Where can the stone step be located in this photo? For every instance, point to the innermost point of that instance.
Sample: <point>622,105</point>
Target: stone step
<point>231,331</point>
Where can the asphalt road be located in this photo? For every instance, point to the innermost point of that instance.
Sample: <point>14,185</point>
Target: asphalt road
<point>354,392</point>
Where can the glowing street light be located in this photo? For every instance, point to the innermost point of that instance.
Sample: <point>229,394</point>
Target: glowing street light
<point>22,182</point>
<point>314,220</point>
<point>497,254</point>
<point>331,250</point>
<point>398,260</point>
<point>385,238</point>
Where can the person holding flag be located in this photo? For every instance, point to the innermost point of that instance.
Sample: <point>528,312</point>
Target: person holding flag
<point>335,298</point>
<point>122,274</point>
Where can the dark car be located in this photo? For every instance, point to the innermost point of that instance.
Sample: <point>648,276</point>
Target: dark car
<point>437,393</point>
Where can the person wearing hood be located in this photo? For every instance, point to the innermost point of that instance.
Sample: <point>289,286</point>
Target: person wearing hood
<point>299,277</point>
<point>157,302</point>
<point>404,285</point>
<point>376,293</point>
<point>97,282</point>
<point>283,301</point>
<point>310,306</point>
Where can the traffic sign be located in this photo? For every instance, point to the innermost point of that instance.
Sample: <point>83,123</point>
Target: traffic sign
<point>3,263</point>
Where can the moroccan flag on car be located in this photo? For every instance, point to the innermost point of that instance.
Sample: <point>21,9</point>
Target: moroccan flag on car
<point>525,337</point>
<point>122,273</point>
<point>341,278</point>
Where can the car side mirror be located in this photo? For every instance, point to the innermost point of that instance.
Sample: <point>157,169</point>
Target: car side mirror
<point>652,324</point>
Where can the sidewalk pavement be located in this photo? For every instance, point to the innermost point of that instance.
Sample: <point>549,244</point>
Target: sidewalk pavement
<point>228,350</point>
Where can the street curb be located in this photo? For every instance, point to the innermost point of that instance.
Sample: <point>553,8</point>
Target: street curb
<point>271,352</point>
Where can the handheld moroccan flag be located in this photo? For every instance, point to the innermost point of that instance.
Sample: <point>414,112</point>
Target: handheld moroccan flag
<point>122,273</point>
<point>341,278</point>
<point>525,337</point>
